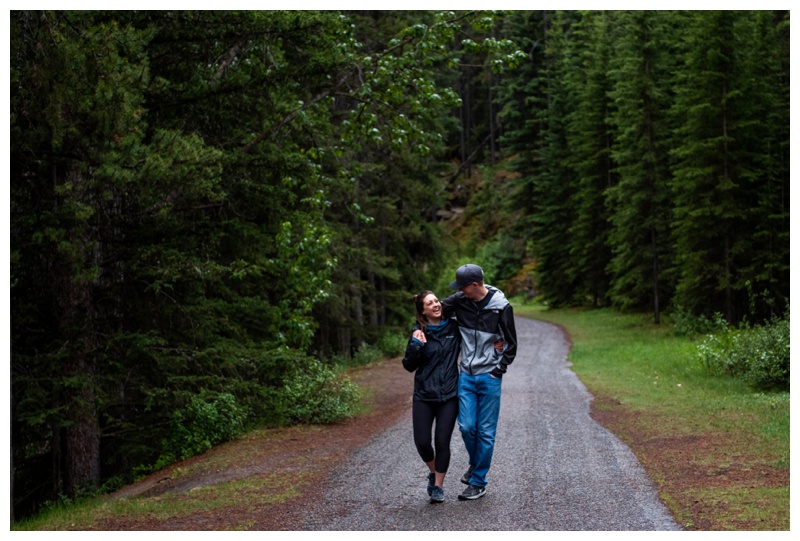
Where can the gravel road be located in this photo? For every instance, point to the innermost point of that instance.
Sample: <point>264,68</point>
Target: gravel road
<point>554,468</point>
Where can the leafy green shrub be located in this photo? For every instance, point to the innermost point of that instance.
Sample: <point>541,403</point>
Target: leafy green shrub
<point>685,323</point>
<point>393,344</point>
<point>718,354</point>
<point>207,420</point>
<point>769,361</point>
<point>500,258</point>
<point>317,394</point>
<point>367,354</point>
<point>758,355</point>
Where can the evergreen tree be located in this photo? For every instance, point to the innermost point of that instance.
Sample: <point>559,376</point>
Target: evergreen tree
<point>589,138</point>
<point>521,97</point>
<point>719,180</point>
<point>555,182</point>
<point>640,203</point>
<point>77,130</point>
<point>762,140</point>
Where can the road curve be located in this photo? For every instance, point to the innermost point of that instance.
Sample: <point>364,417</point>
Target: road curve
<point>554,468</point>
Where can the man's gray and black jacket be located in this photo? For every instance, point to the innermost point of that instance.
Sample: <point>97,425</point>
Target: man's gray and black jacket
<point>436,362</point>
<point>481,328</point>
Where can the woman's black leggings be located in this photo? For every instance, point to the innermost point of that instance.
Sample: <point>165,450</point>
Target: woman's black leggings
<point>423,415</point>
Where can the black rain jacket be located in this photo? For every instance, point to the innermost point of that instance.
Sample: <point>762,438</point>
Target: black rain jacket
<point>436,363</point>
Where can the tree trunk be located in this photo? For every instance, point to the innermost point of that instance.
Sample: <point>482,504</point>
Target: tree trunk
<point>372,301</point>
<point>728,279</point>
<point>656,308</point>
<point>11,456</point>
<point>76,318</point>
<point>382,284</point>
<point>491,123</point>
<point>83,433</point>
<point>344,341</point>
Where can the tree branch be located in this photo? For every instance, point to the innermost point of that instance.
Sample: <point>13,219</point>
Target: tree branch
<point>232,54</point>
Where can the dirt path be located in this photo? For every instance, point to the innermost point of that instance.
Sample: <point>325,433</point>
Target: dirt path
<point>554,468</point>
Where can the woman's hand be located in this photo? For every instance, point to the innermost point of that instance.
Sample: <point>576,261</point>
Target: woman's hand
<point>499,345</point>
<point>419,335</point>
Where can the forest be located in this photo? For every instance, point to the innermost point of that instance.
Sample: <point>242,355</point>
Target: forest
<point>211,210</point>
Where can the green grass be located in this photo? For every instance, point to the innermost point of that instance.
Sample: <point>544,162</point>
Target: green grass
<point>686,427</point>
<point>246,494</point>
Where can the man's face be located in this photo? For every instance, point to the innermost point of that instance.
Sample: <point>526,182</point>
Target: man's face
<point>470,291</point>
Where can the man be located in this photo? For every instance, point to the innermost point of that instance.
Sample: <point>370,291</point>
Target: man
<point>484,316</point>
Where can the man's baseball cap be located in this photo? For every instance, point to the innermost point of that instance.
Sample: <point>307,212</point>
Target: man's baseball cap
<point>465,275</point>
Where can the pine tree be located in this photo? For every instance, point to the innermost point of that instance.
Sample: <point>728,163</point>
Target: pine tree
<point>640,203</point>
<point>719,179</point>
<point>762,137</point>
<point>554,184</point>
<point>590,140</point>
<point>521,97</point>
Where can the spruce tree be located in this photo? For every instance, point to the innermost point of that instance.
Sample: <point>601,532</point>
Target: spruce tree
<point>553,185</point>
<point>720,183</point>
<point>640,203</point>
<point>590,139</point>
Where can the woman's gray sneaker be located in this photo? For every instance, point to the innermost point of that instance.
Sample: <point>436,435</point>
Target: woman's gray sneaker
<point>472,492</point>
<point>431,482</point>
<point>437,495</point>
<point>466,477</point>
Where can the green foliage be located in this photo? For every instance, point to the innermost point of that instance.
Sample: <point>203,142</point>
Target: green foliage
<point>367,354</point>
<point>500,258</point>
<point>639,203</point>
<point>208,419</point>
<point>393,343</point>
<point>552,179</point>
<point>723,190</point>
<point>364,355</point>
<point>590,138</point>
<point>759,355</point>
<point>651,158</point>
<point>686,323</point>
<point>317,394</point>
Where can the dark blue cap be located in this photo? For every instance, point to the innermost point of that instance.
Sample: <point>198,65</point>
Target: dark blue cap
<point>466,274</point>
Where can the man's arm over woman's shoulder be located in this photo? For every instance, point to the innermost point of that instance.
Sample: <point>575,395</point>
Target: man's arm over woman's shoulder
<point>449,304</point>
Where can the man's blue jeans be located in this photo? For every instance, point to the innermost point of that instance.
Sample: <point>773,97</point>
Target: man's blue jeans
<point>478,410</point>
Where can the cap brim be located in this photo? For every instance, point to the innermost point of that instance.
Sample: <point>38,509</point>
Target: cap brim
<point>454,285</point>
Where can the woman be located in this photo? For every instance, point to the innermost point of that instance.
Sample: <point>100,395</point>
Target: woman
<point>432,352</point>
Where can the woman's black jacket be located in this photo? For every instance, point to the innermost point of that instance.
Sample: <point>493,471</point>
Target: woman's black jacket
<point>436,363</point>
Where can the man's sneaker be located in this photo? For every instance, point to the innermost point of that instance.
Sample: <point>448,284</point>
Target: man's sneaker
<point>472,492</point>
<point>431,482</point>
<point>437,495</point>
<point>467,476</point>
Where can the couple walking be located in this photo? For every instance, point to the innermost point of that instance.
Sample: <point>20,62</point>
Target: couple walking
<point>478,323</point>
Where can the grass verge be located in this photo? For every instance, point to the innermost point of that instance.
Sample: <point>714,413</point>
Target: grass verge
<point>717,451</point>
<point>229,497</point>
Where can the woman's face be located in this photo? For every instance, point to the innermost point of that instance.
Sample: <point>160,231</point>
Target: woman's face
<point>431,308</point>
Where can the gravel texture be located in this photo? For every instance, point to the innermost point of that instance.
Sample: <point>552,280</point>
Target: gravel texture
<point>554,468</point>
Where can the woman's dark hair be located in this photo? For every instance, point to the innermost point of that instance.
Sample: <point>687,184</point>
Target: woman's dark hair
<point>419,303</point>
